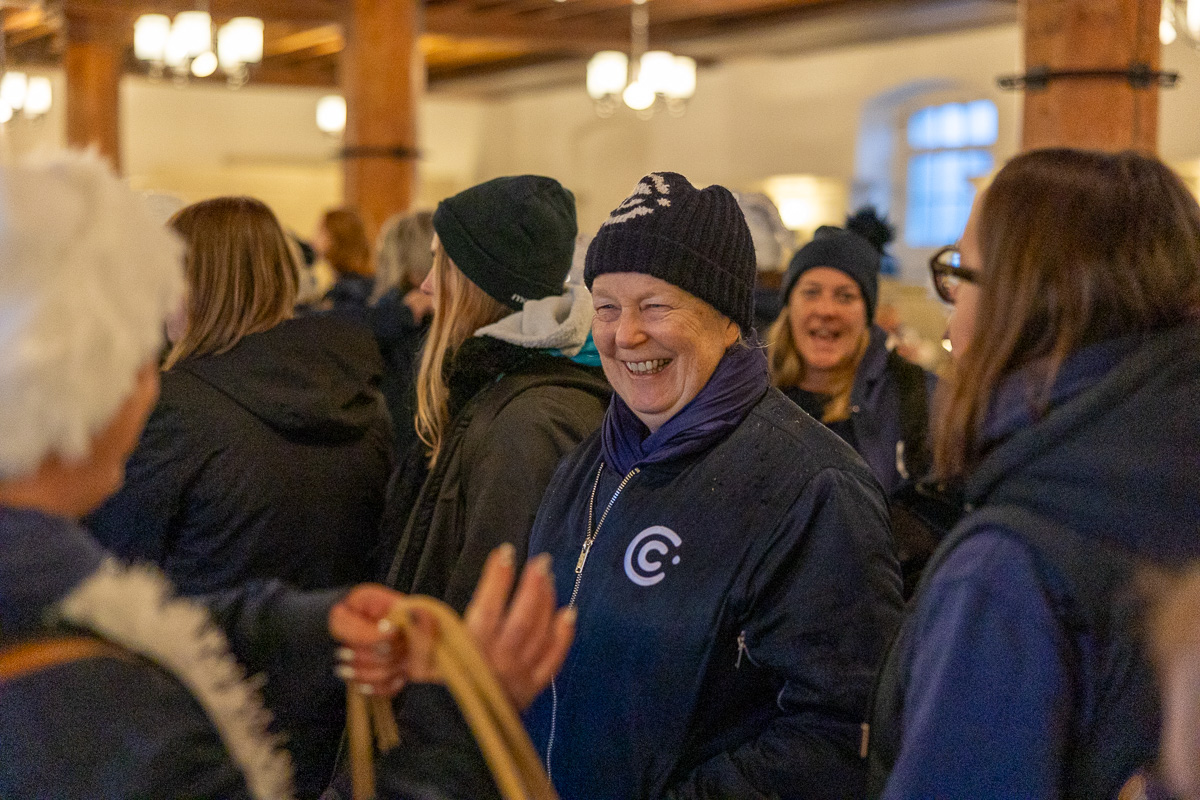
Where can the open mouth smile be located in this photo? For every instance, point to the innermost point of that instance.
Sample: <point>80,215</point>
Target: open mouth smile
<point>647,367</point>
<point>824,334</point>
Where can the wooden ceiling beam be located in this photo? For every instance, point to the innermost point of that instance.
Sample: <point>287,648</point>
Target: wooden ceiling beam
<point>295,11</point>
<point>23,19</point>
<point>455,20</point>
<point>321,37</point>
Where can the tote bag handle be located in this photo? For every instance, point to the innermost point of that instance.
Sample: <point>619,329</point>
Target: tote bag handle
<point>506,747</point>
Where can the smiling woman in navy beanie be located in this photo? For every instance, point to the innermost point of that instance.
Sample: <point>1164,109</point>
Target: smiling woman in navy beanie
<point>828,356</point>
<point>728,557</point>
<point>508,384</point>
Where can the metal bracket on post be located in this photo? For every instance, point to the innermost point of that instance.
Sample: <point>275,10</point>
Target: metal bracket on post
<point>398,152</point>
<point>1139,76</point>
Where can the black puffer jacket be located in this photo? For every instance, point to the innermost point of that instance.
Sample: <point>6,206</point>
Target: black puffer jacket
<point>515,413</point>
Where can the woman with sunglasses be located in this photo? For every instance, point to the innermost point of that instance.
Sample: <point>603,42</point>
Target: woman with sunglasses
<point>828,357</point>
<point>1071,421</point>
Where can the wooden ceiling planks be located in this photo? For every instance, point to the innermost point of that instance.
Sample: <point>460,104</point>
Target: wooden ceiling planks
<point>303,38</point>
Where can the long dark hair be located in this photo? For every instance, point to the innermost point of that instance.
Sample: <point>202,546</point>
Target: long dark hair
<point>1076,247</point>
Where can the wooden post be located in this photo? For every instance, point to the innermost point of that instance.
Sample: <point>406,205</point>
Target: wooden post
<point>93,63</point>
<point>383,76</point>
<point>1096,113</point>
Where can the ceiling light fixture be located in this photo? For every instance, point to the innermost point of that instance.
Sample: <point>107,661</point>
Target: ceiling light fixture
<point>185,45</point>
<point>1180,17</point>
<point>31,97</point>
<point>659,78</point>
<point>331,115</point>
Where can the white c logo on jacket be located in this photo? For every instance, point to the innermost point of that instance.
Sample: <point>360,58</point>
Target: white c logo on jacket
<point>640,565</point>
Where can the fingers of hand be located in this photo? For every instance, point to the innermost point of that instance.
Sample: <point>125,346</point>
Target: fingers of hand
<point>526,626</point>
<point>378,669</point>
<point>555,652</point>
<point>356,620</point>
<point>484,613</point>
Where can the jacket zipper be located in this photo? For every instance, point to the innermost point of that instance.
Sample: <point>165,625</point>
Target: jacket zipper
<point>583,556</point>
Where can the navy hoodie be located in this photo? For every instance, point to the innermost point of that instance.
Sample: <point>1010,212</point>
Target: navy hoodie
<point>1001,695</point>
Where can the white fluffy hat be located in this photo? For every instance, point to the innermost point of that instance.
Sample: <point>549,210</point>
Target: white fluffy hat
<point>87,276</point>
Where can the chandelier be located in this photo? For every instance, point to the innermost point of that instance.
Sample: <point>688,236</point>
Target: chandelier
<point>1180,16</point>
<point>658,79</point>
<point>185,46</point>
<point>20,93</point>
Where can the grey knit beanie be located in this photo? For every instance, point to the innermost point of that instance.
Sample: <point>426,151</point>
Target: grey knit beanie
<point>696,239</point>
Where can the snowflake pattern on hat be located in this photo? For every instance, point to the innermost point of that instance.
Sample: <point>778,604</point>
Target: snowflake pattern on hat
<point>652,187</point>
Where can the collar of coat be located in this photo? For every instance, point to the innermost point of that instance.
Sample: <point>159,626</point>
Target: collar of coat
<point>135,608</point>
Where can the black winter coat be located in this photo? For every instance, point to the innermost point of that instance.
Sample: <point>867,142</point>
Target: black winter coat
<point>269,461</point>
<point>515,413</point>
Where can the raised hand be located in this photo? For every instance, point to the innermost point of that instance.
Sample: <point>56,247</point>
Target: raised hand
<point>526,640</point>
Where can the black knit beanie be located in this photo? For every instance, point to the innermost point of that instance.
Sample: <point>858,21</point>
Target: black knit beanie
<point>513,237</point>
<point>842,250</point>
<point>696,239</point>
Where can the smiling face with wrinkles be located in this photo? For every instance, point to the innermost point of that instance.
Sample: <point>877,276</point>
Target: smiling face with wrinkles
<point>658,344</point>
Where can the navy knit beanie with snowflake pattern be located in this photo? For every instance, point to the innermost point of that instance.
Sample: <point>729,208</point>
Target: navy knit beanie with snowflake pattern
<point>696,239</point>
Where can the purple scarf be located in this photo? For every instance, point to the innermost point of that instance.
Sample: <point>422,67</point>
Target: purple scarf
<point>737,384</point>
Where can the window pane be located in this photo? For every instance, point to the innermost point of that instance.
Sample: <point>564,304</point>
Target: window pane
<point>916,215</point>
<point>954,125</point>
<point>940,194</point>
<point>983,123</point>
<point>920,129</point>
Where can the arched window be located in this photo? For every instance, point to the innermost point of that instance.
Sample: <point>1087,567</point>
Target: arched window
<point>948,145</point>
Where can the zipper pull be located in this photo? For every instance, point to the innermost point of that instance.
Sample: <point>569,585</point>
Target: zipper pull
<point>741,649</point>
<point>583,554</point>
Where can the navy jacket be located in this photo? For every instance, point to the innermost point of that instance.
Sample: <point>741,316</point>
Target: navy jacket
<point>122,727</point>
<point>1002,692</point>
<point>878,426</point>
<point>732,613</point>
<point>400,338</point>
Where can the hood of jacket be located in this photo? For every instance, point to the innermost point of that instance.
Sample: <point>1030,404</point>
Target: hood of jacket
<point>1117,454</point>
<point>314,376</point>
<point>559,323</point>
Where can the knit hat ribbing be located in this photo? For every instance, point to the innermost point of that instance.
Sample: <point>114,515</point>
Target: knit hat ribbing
<point>844,251</point>
<point>512,236</point>
<point>696,239</point>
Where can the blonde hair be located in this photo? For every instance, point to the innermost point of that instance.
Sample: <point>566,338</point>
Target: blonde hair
<point>787,366</point>
<point>402,254</point>
<point>241,273</point>
<point>459,309</point>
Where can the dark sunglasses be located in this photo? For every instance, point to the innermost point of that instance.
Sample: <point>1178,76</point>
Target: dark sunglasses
<point>948,272</point>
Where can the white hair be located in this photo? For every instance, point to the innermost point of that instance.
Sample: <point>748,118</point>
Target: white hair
<point>87,276</point>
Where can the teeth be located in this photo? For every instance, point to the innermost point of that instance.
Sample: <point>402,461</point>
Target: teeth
<point>647,367</point>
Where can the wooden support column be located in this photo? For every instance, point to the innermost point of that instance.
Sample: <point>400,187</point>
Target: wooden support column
<point>93,63</point>
<point>1096,113</point>
<point>383,77</point>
